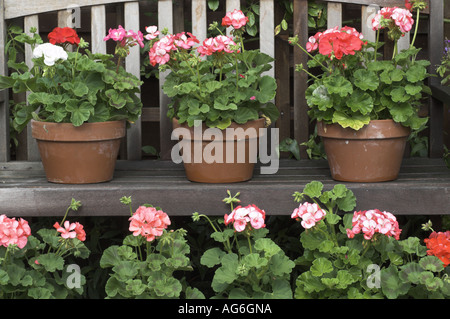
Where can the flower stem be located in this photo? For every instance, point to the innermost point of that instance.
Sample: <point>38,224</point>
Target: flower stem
<point>415,30</point>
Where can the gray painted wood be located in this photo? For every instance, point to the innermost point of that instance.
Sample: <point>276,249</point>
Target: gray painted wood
<point>132,65</point>
<point>24,190</point>
<point>98,29</point>
<point>21,8</point>
<point>4,105</point>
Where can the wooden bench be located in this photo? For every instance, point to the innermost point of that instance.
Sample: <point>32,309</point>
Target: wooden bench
<point>422,188</point>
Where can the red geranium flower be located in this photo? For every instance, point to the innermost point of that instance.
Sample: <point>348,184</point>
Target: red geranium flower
<point>339,44</point>
<point>63,35</point>
<point>438,245</point>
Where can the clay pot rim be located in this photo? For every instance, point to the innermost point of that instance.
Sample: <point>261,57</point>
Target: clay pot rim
<point>256,124</point>
<point>376,129</point>
<point>51,131</point>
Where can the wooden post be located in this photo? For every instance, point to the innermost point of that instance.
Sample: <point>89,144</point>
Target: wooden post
<point>98,29</point>
<point>301,119</point>
<point>132,65</point>
<point>436,47</point>
<point>165,20</point>
<point>4,105</point>
<point>32,148</point>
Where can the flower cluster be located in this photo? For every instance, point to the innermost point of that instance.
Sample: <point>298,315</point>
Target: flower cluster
<point>235,18</point>
<point>14,232</point>
<point>221,43</point>
<point>336,42</point>
<point>309,214</point>
<point>71,230</point>
<point>63,36</point>
<point>148,222</point>
<point>438,245</point>
<point>51,53</point>
<point>374,221</point>
<point>241,216</point>
<point>393,16</point>
<point>125,37</point>
<point>160,51</point>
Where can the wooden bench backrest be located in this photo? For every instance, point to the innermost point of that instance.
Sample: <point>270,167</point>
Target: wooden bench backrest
<point>292,113</point>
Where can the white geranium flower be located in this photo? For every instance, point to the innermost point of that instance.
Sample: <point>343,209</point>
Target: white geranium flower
<point>50,52</point>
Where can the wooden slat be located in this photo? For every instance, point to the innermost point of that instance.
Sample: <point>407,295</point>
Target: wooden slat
<point>300,116</point>
<point>31,147</point>
<point>334,17</point>
<point>367,14</point>
<point>132,65</point>
<point>21,8</point>
<point>165,20</point>
<point>4,105</point>
<point>436,45</point>
<point>199,24</point>
<point>266,30</point>
<point>98,29</point>
<point>25,192</point>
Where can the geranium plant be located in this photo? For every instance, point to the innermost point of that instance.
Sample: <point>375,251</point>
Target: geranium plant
<point>72,87</point>
<point>250,264</point>
<point>144,265</point>
<point>355,85</point>
<point>39,267</point>
<point>216,81</point>
<point>361,255</point>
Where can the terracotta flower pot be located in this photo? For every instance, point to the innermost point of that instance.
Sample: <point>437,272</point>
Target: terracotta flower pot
<point>207,160</point>
<point>79,155</point>
<point>371,154</point>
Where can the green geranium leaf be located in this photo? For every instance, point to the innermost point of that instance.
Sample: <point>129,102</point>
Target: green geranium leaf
<point>416,73</point>
<point>338,85</point>
<point>313,189</point>
<point>431,263</point>
<point>360,101</point>
<point>399,94</point>
<point>51,262</point>
<point>401,112</point>
<point>267,89</point>
<point>366,80</point>
<point>80,112</point>
<point>244,114</point>
<point>321,266</point>
<point>391,284</point>
<point>355,122</point>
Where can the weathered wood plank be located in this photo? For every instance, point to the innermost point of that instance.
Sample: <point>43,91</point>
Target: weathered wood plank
<point>132,65</point>
<point>266,31</point>
<point>31,143</point>
<point>4,104</point>
<point>300,116</point>
<point>334,15</point>
<point>199,24</point>
<point>21,8</point>
<point>98,29</point>
<point>165,20</point>
<point>421,182</point>
<point>436,42</point>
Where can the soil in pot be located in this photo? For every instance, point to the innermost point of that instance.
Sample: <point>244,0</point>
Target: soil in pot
<point>371,154</point>
<point>79,155</point>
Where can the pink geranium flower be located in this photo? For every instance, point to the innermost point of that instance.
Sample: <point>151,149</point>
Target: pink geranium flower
<point>374,221</point>
<point>71,230</point>
<point>235,18</point>
<point>309,214</point>
<point>148,222</point>
<point>152,32</point>
<point>14,232</point>
<point>250,216</point>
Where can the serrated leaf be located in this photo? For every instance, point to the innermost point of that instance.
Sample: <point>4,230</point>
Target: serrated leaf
<point>212,257</point>
<point>360,101</point>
